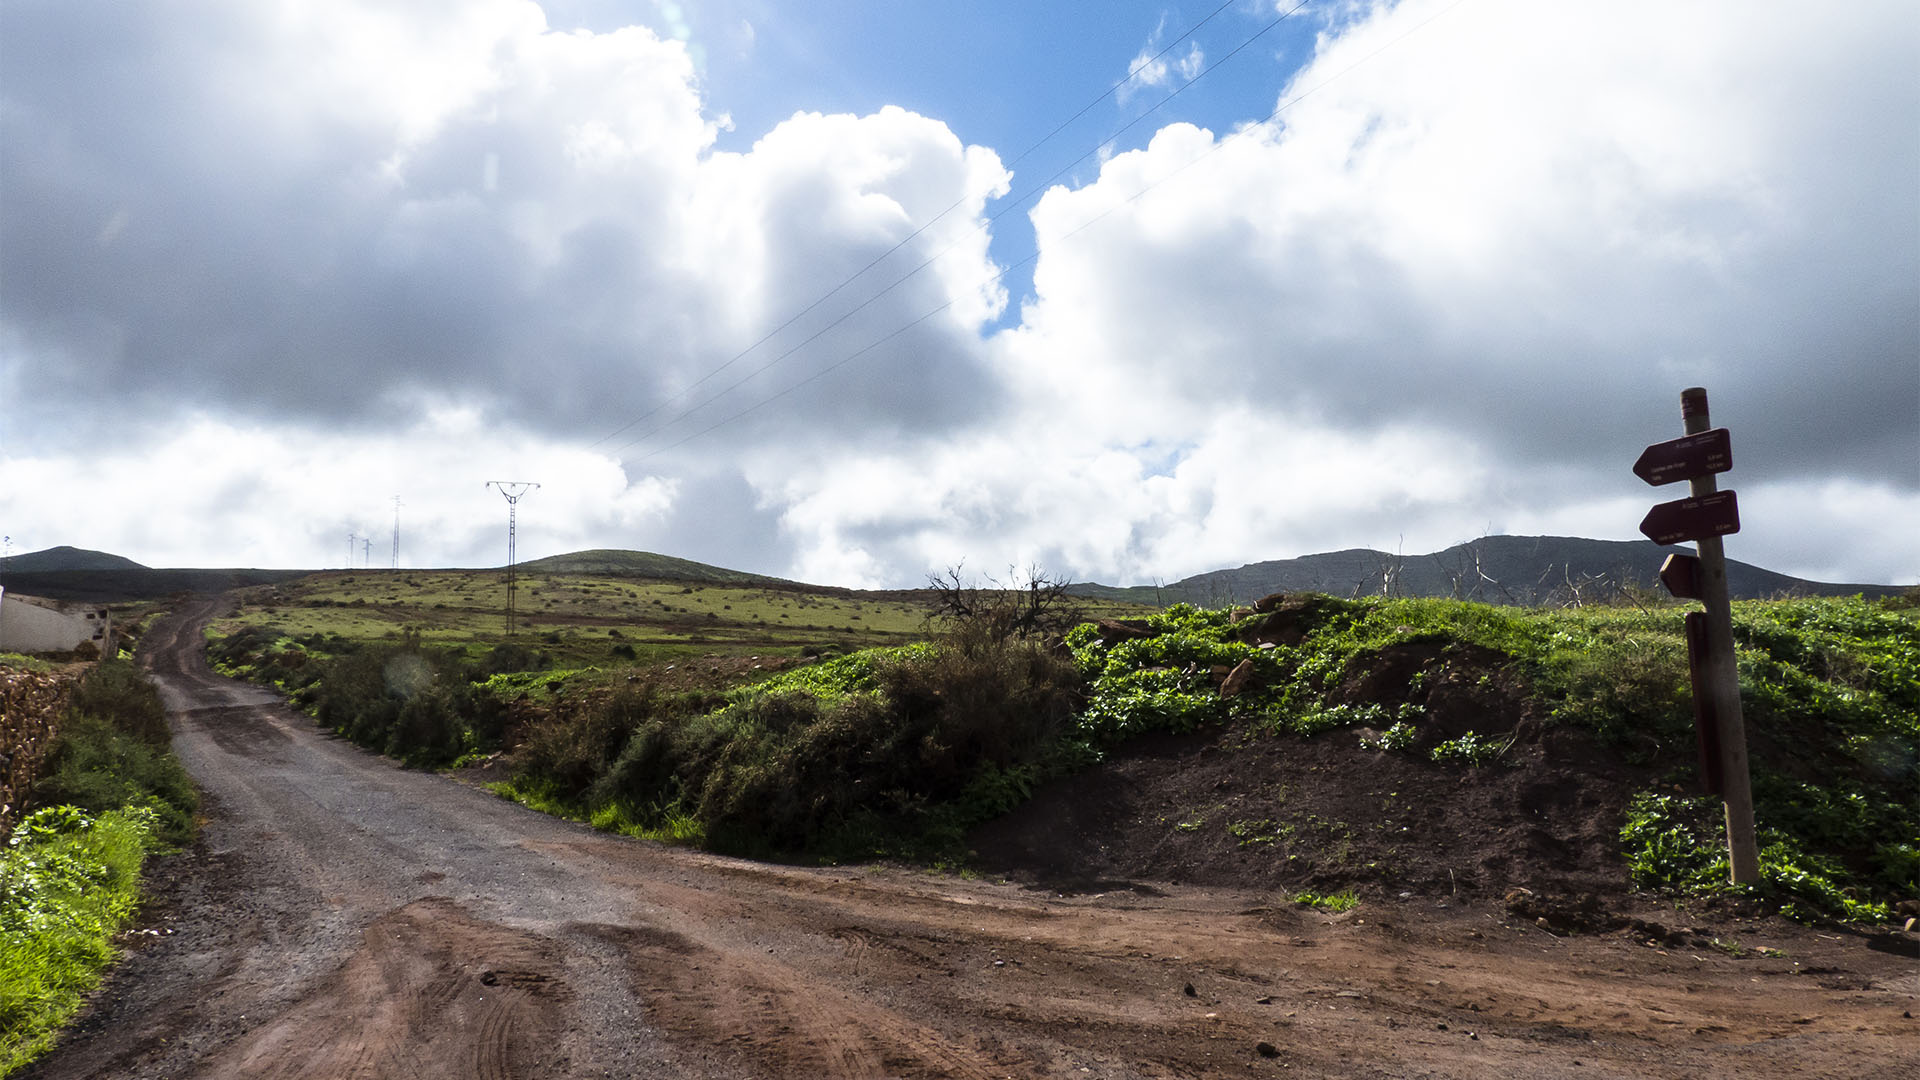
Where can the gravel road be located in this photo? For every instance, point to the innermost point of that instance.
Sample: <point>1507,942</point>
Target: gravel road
<point>342,917</point>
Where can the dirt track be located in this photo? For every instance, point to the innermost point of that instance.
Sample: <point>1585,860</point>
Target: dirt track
<point>342,917</point>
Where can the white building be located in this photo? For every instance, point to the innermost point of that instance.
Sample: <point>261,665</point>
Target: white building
<point>30,624</point>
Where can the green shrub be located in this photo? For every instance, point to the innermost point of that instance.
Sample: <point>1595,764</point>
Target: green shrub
<point>111,751</point>
<point>94,766</point>
<point>407,702</point>
<point>116,690</point>
<point>1678,845</point>
<point>846,756</point>
<point>1470,749</point>
<point>68,883</point>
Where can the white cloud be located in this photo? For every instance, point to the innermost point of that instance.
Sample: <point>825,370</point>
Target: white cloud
<point>1157,66</point>
<point>336,252</point>
<point>215,492</point>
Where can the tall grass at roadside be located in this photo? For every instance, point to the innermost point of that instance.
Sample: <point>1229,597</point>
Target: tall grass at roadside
<point>68,883</point>
<point>112,752</point>
<point>886,751</point>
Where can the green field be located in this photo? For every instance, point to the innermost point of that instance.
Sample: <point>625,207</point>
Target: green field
<point>580,619</point>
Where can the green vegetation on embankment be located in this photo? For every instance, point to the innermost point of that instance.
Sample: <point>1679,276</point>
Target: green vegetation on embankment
<point>899,749</point>
<point>110,795</point>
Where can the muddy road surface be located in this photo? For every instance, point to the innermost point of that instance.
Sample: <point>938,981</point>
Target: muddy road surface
<point>342,917</point>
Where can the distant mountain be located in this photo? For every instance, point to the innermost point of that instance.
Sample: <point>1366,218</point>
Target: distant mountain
<point>1496,569</point>
<point>644,564</point>
<point>58,559</point>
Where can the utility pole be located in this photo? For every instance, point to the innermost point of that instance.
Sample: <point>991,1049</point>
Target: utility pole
<point>514,490</point>
<point>352,542</point>
<point>396,532</point>
<point>366,552</point>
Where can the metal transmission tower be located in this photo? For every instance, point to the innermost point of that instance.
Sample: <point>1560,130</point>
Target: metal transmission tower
<point>396,532</point>
<point>366,552</point>
<point>514,490</point>
<point>352,541</point>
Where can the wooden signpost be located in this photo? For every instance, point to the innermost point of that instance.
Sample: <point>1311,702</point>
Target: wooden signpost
<point>1704,517</point>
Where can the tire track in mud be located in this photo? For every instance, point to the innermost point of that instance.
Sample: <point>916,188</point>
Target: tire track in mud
<point>430,993</point>
<point>782,1020</point>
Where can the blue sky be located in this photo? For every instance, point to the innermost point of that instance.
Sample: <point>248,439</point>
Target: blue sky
<point>1002,74</point>
<point>266,264</point>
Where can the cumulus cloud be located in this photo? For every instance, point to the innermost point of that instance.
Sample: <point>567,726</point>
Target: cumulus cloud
<point>399,200</point>
<point>1517,230</point>
<point>313,255</point>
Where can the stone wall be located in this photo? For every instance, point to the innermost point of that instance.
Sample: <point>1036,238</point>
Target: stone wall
<point>30,705</point>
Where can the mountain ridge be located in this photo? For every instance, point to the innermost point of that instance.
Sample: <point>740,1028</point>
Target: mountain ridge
<point>1493,569</point>
<point>64,558</point>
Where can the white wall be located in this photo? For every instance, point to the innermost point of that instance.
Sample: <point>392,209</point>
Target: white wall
<point>29,624</point>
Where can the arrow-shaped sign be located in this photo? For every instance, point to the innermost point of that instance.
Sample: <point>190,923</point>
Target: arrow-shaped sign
<point>1683,459</point>
<point>1692,519</point>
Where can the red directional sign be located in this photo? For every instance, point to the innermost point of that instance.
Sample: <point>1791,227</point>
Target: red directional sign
<point>1692,519</point>
<point>1683,459</point>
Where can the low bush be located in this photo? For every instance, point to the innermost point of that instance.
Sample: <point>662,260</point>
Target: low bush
<point>880,750</point>
<point>407,702</point>
<point>111,752</point>
<point>68,883</point>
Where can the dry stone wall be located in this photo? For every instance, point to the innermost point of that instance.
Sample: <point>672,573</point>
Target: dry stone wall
<point>30,705</point>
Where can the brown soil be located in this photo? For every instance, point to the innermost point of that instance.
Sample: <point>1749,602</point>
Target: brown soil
<point>1226,807</point>
<point>342,917</point>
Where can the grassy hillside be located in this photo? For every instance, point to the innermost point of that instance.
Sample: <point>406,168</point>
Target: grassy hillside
<point>574,620</point>
<point>643,564</point>
<point>1530,732</point>
<point>1520,570</point>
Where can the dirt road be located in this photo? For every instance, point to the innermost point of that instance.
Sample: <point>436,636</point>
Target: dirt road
<point>342,917</point>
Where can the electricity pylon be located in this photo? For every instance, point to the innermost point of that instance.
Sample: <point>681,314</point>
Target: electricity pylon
<point>514,490</point>
<point>396,532</point>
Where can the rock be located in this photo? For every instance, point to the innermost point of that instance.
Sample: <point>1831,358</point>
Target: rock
<point>1237,680</point>
<point>1112,630</point>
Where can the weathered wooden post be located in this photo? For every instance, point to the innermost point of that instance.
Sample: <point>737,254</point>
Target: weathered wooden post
<point>1704,518</point>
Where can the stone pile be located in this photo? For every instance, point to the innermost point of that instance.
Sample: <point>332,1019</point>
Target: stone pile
<point>31,704</point>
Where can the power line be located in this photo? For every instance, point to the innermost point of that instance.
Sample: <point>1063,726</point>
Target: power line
<point>910,237</point>
<point>1083,226</point>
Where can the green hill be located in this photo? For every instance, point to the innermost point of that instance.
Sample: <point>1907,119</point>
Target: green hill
<point>1523,570</point>
<point>644,564</point>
